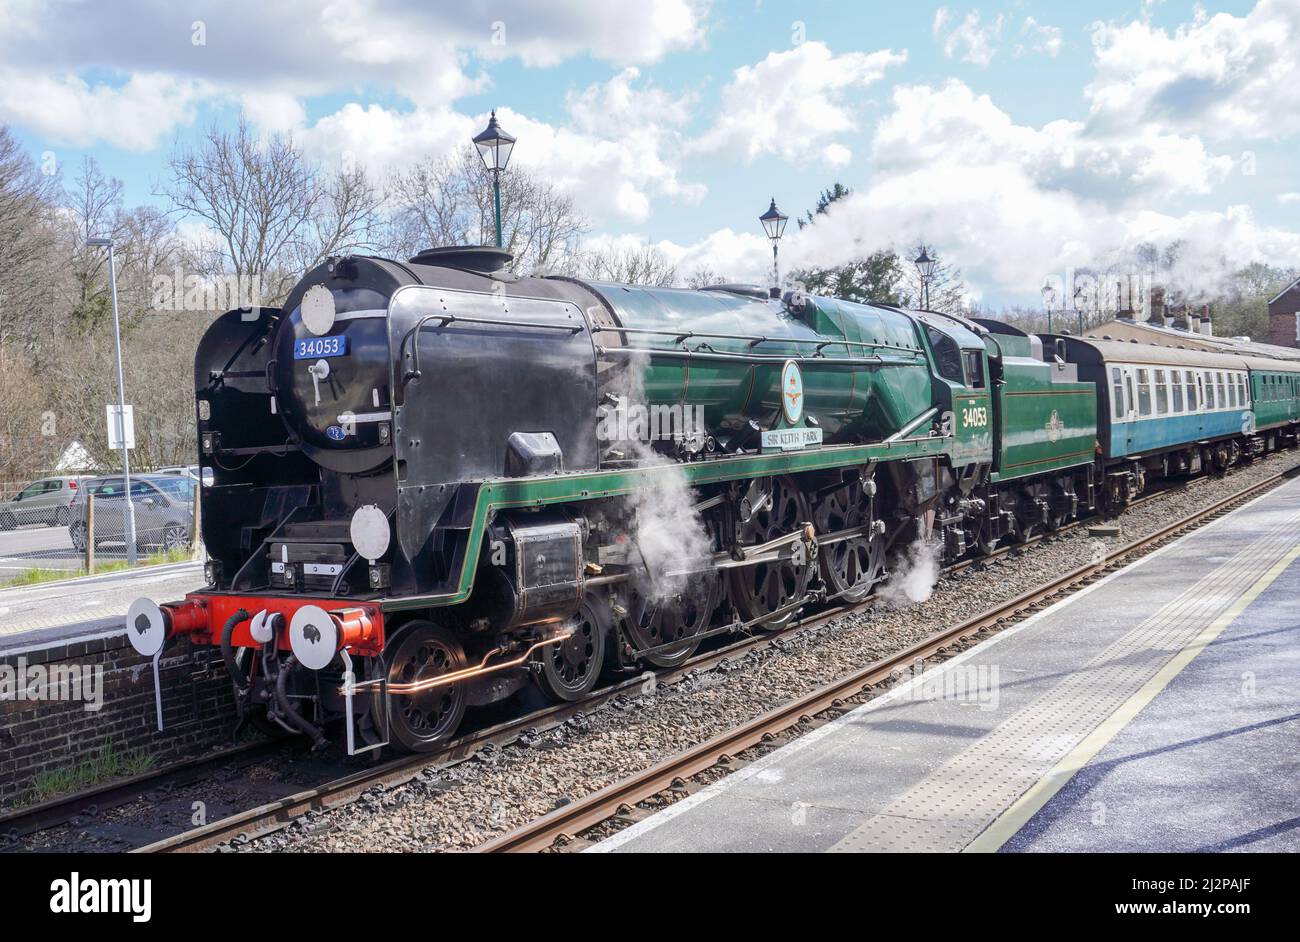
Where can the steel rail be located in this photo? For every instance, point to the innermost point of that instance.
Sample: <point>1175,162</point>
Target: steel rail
<point>267,818</point>
<point>567,821</point>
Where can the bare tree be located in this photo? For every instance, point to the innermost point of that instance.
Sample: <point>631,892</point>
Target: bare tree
<point>947,291</point>
<point>643,265</point>
<point>274,212</point>
<point>28,266</point>
<point>449,201</point>
<point>704,276</point>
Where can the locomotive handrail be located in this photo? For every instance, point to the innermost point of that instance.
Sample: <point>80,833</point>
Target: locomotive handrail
<point>700,354</point>
<point>682,336</point>
<point>414,371</point>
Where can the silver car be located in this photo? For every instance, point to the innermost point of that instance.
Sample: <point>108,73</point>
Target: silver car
<point>164,512</point>
<point>47,501</point>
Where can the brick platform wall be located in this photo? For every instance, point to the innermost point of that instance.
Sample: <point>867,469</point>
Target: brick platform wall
<point>47,735</point>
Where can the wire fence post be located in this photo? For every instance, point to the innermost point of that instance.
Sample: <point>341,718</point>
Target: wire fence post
<point>90,534</point>
<point>196,549</point>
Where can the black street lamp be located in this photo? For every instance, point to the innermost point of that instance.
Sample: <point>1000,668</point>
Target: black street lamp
<point>774,225</point>
<point>925,268</point>
<point>1049,295</point>
<point>494,146</point>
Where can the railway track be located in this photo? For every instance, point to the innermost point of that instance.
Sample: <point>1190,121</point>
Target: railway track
<point>54,812</point>
<point>600,806</point>
<point>566,823</point>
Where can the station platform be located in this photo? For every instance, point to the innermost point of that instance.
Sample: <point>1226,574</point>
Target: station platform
<point>1156,710</point>
<point>90,607</point>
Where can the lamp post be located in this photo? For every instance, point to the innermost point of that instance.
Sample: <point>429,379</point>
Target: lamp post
<point>121,401</point>
<point>494,146</point>
<point>1049,295</point>
<point>774,224</point>
<point>1078,290</point>
<point>925,268</point>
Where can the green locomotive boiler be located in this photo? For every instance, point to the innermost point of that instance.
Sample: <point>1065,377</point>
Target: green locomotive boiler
<point>437,484</point>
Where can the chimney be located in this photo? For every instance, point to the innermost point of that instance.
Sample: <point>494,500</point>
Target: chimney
<point>1158,315</point>
<point>1193,320</point>
<point>1206,327</point>
<point>1178,315</point>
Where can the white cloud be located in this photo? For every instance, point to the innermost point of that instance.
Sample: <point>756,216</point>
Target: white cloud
<point>975,40</point>
<point>266,54</point>
<point>65,109</point>
<point>791,103</point>
<point>1010,203</point>
<point>1041,38</point>
<point>1286,199</point>
<point>1222,76</point>
<point>617,155</point>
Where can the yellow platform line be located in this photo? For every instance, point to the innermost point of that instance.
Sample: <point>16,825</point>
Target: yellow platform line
<point>1009,823</point>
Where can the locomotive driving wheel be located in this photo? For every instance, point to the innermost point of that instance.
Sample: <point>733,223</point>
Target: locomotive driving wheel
<point>853,566</point>
<point>421,721</point>
<point>569,670</point>
<point>758,591</point>
<point>654,621</point>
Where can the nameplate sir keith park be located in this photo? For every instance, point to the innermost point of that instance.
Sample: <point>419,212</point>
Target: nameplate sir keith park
<point>790,439</point>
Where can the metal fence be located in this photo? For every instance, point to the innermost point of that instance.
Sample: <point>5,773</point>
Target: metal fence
<point>85,529</point>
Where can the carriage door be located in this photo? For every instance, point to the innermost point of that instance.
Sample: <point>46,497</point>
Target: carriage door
<point>1130,409</point>
<point>1200,403</point>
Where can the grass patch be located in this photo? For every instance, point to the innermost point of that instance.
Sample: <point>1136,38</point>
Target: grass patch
<point>37,575</point>
<point>101,767</point>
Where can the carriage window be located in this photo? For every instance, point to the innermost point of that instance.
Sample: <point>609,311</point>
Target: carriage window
<point>1117,391</point>
<point>1232,391</point>
<point>1190,380</point>
<point>974,369</point>
<point>1162,393</point>
<point>1177,390</point>
<point>1144,392</point>
<point>1209,390</point>
<point>1223,392</point>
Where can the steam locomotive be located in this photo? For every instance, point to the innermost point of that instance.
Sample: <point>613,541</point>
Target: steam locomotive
<point>437,484</point>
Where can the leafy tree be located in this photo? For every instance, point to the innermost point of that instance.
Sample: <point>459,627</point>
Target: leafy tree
<point>876,277</point>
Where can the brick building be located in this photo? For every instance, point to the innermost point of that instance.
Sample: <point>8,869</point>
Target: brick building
<point>1284,317</point>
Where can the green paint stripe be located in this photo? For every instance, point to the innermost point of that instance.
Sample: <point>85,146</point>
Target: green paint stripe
<point>541,491</point>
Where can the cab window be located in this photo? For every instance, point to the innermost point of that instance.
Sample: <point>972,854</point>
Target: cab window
<point>947,356</point>
<point>974,369</point>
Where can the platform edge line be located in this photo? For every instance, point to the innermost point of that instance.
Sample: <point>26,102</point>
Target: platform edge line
<point>1019,813</point>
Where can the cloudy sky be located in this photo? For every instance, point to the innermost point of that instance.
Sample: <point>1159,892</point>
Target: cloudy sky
<point>1019,138</point>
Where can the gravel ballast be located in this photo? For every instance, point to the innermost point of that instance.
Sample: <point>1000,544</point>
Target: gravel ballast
<point>459,807</point>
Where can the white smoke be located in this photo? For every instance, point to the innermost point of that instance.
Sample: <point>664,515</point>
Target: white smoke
<point>669,534</point>
<point>914,579</point>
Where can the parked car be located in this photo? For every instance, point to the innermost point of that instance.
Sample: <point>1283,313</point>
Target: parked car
<point>164,511</point>
<point>47,501</point>
<point>191,471</point>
